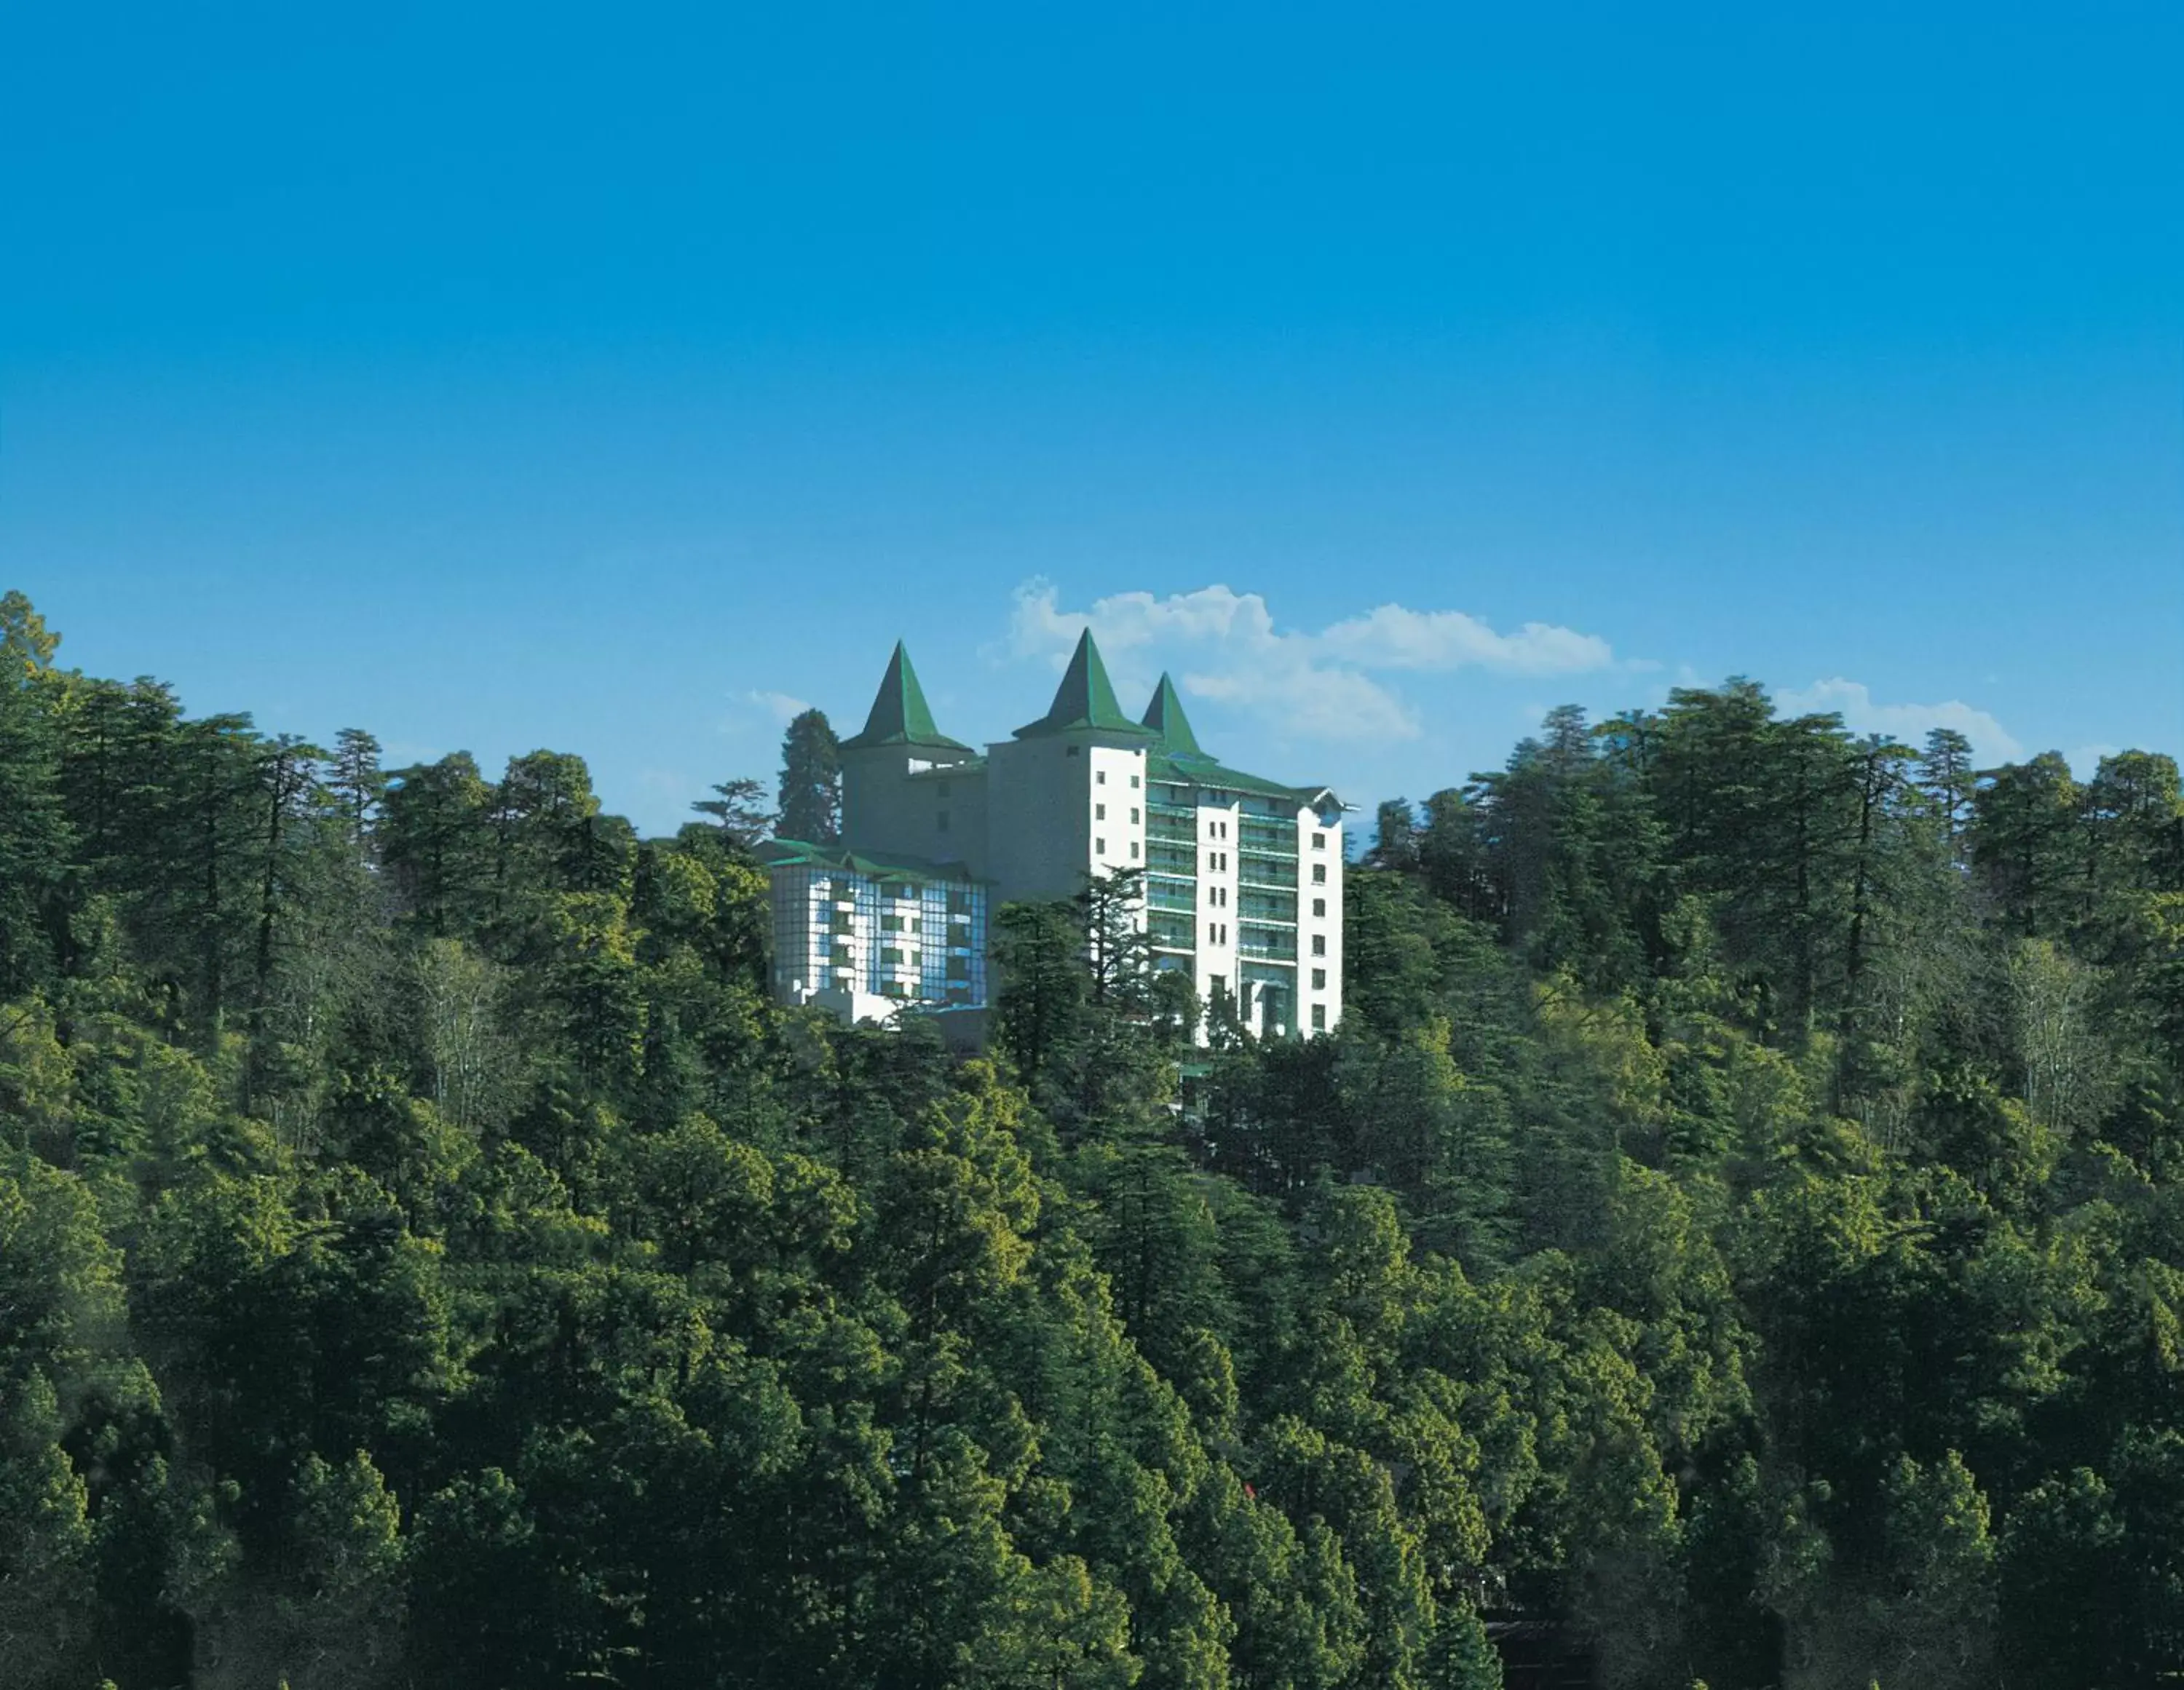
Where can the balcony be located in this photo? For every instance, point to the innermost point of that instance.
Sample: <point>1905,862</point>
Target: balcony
<point>1166,933</point>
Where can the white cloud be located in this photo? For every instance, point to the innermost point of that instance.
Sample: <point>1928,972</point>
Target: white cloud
<point>1315,700</point>
<point>1127,620</point>
<point>1224,644</point>
<point>1393,637</point>
<point>783,708</point>
<point>1862,712</point>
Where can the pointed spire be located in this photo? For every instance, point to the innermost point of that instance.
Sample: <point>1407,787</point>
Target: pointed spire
<point>1085,698</point>
<point>899,715</point>
<point>1165,717</point>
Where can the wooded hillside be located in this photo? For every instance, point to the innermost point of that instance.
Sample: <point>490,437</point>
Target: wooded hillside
<point>1740,1222</point>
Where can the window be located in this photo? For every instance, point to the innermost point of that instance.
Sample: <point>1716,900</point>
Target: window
<point>1319,842</point>
<point>1133,850</point>
<point>1319,1018</point>
<point>890,924</point>
<point>1319,906</point>
<point>1099,777</point>
<point>1133,780</point>
<point>1073,751</point>
<point>941,787</point>
<point>1100,847</point>
<point>1319,944</point>
<point>1134,816</point>
<point>1213,933</point>
<point>1319,874</point>
<point>890,953</point>
<point>1319,980</point>
<point>1099,812</point>
<point>940,822</point>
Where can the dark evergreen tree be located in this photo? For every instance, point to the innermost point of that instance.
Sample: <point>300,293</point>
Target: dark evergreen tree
<point>35,842</point>
<point>2025,849</point>
<point>1947,776</point>
<point>739,808</point>
<point>1396,844</point>
<point>810,808</point>
<point>358,783</point>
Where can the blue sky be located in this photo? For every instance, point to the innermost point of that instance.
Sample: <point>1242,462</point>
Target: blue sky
<point>499,377</point>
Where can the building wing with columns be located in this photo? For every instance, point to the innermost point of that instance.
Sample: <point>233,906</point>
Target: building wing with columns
<point>1243,875</point>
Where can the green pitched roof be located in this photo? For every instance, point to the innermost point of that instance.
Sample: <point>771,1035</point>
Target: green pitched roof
<point>1204,771</point>
<point>794,853</point>
<point>900,715</point>
<point>1165,717</point>
<point>1180,758</point>
<point>1086,699</point>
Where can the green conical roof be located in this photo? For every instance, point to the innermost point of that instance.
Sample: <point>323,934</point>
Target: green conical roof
<point>1085,698</point>
<point>1180,757</point>
<point>1165,717</point>
<point>900,715</point>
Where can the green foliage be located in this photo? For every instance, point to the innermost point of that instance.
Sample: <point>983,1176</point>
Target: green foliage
<point>1732,1238</point>
<point>810,791</point>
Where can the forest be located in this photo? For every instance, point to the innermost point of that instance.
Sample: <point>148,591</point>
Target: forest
<point>1735,1237</point>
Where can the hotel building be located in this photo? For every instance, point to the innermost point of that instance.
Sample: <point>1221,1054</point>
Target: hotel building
<point>1243,875</point>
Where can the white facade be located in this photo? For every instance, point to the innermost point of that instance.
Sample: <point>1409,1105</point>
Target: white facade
<point>1059,808</point>
<point>1243,876</point>
<point>867,937</point>
<point>1261,879</point>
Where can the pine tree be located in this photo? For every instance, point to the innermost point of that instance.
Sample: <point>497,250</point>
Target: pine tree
<point>1947,777</point>
<point>1395,837</point>
<point>35,845</point>
<point>810,808</point>
<point>2026,852</point>
<point>740,808</point>
<point>357,781</point>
